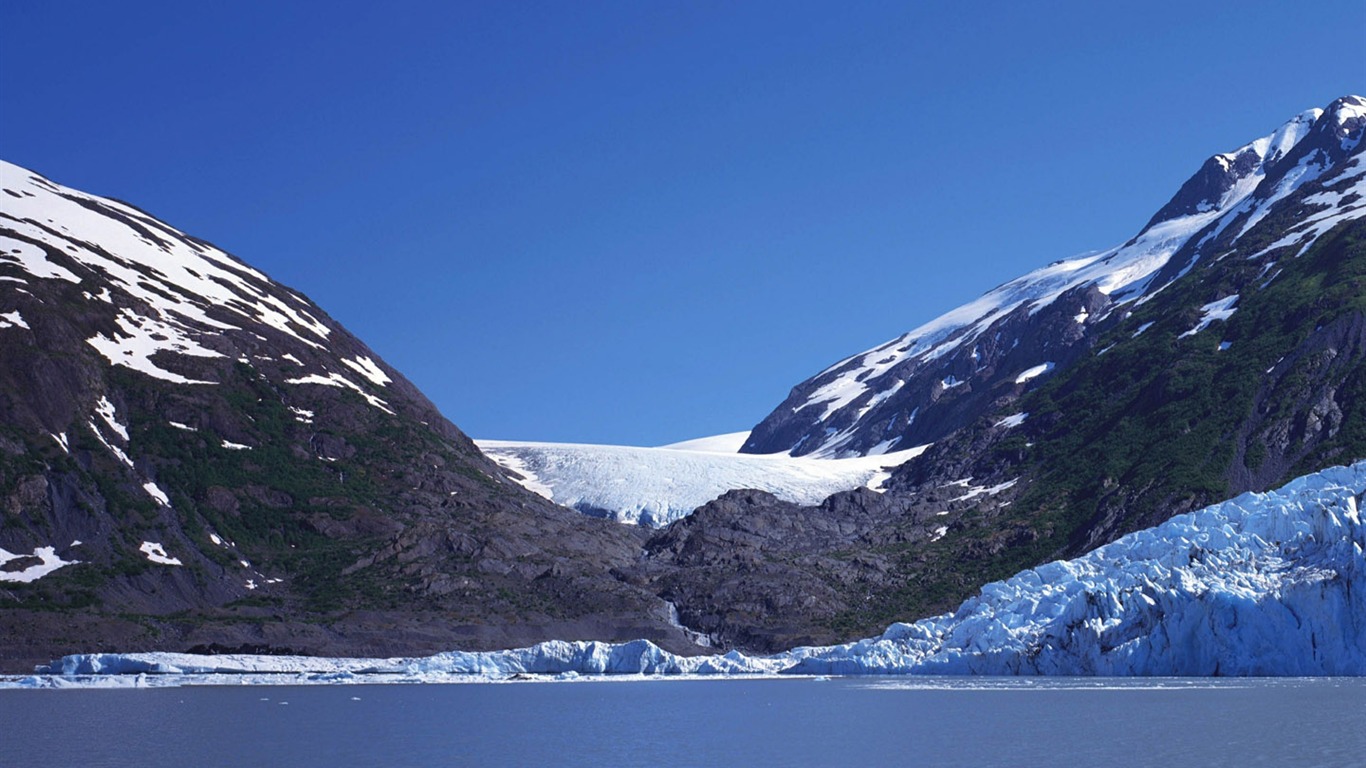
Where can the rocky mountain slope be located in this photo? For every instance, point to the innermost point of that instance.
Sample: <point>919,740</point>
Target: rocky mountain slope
<point>1219,351</point>
<point>1264,584</point>
<point>931,381</point>
<point>194,456</point>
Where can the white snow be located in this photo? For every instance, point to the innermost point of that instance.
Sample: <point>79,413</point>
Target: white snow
<point>367,368</point>
<point>181,279</point>
<point>1142,328</point>
<point>114,449</point>
<point>156,493</point>
<point>143,337</point>
<point>157,554</point>
<point>338,380</point>
<point>975,491</point>
<point>48,562</point>
<point>1264,584</point>
<point>31,258</point>
<point>1034,372</point>
<point>185,427</point>
<point>302,415</point>
<point>105,410</point>
<point>1221,309</point>
<point>1013,420</point>
<point>185,290</point>
<point>235,446</point>
<point>731,442</point>
<point>12,320</point>
<point>654,486</point>
<point>62,441</point>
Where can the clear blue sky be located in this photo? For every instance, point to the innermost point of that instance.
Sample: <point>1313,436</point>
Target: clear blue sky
<point>641,222</point>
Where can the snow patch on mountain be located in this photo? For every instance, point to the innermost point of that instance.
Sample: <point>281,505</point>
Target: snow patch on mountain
<point>48,561</point>
<point>1220,309</point>
<point>1035,372</point>
<point>655,486</point>
<point>367,368</point>
<point>338,380</point>
<point>157,554</point>
<point>12,320</point>
<point>177,290</point>
<point>143,337</point>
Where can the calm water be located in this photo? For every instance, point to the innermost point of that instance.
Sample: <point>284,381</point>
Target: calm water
<point>711,723</point>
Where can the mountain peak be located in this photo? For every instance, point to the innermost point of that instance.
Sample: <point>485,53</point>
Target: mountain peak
<point>893,392</point>
<point>1228,177</point>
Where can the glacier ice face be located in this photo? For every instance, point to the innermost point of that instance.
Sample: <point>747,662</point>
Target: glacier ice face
<point>1263,584</point>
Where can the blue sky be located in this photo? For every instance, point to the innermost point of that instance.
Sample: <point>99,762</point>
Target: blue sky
<point>644,222</point>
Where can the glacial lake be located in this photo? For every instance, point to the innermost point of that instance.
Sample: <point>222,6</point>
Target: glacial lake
<point>757,722</point>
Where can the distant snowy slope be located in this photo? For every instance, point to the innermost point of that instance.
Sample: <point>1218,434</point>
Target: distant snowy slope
<point>655,486</point>
<point>727,443</point>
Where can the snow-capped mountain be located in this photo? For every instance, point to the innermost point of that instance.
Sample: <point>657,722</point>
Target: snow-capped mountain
<point>1263,584</point>
<point>655,486</point>
<point>180,433</point>
<point>1221,351</point>
<point>930,381</point>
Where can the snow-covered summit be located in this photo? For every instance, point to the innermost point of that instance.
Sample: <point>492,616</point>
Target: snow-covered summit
<point>888,391</point>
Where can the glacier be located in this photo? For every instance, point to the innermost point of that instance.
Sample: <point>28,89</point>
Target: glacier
<point>1263,584</point>
<point>655,486</point>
